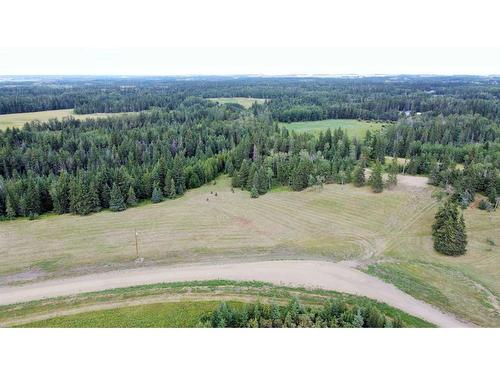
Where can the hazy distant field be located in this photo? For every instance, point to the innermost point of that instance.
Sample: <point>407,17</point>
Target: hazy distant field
<point>335,223</point>
<point>17,120</point>
<point>353,127</point>
<point>245,102</point>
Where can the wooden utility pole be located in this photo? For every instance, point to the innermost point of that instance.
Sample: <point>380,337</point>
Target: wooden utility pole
<point>136,245</point>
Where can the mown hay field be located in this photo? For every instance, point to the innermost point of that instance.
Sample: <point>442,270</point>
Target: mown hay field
<point>354,128</point>
<point>388,234</point>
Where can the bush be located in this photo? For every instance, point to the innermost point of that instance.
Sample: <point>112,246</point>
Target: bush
<point>485,205</point>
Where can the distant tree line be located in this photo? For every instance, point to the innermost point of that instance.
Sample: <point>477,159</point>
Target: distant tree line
<point>290,99</point>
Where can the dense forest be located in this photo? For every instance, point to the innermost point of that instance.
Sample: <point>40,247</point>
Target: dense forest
<point>184,141</point>
<point>290,98</point>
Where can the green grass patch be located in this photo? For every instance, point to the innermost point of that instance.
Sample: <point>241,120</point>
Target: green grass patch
<point>442,286</point>
<point>157,315</point>
<point>245,102</point>
<point>354,128</point>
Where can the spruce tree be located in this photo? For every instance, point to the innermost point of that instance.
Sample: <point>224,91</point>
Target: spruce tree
<point>254,193</point>
<point>448,231</point>
<point>116,202</point>
<point>359,176</point>
<point>376,181</point>
<point>171,193</point>
<point>243,173</point>
<point>131,199</point>
<point>31,199</point>
<point>392,179</point>
<point>10,211</point>
<point>229,168</point>
<point>156,196</point>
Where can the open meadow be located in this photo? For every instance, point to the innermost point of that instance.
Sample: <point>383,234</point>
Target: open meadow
<point>354,128</point>
<point>245,102</point>
<point>387,235</point>
<point>17,120</point>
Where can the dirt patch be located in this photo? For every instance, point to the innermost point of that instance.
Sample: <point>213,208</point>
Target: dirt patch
<point>23,277</point>
<point>419,182</point>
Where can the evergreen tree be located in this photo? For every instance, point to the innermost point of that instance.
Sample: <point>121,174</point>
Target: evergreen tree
<point>359,176</point>
<point>171,193</point>
<point>254,193</point>
<point>31,199</point>
<point>229,168</point>
<point>235,180</point>
<point>376,181</point>
<point>156,196</point>
<point>60,193</point>
<point>491,190</point>
<point>392,179</point>
<point>131,199</point>
<point>116,202</point>
<point>10,211</point>
<point>243,173</point>
<point>448,230</point>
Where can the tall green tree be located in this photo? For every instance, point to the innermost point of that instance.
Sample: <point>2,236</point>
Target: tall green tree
<point>131,198</point>
<point>376,181</point>
<point>448,231</point>
<point>116,201</point>
<point>156,196</point>
<point>392,179</point>
<point>10,211</point>
<point>359,176</point>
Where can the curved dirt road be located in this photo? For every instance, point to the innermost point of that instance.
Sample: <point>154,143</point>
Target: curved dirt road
<point>312,274</point>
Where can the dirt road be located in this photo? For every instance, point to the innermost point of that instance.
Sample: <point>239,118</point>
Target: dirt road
<point>312,274</point>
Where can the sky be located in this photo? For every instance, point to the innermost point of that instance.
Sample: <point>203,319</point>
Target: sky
<point>223,37</point>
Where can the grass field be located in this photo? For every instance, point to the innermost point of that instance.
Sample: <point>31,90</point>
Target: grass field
<point>17,120</point>
<point>245,102</point>
<point>354,128</point>
<point>390,231</point>
<point>168,305</point>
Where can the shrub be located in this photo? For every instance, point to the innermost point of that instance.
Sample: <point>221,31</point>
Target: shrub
<point>485,205</point>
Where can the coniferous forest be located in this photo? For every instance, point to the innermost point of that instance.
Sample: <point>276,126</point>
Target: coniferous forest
<point>180,140</point>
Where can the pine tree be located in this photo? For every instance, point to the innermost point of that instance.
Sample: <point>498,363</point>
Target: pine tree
<point>171,193</point>
<point>131,199</point>
<point>60,193</point>
<point>392,179</point>
<point>243,173</point>
<point>31,199</point>
<point>254,193</point>
<point>10,211</point>
<point>359,176</point>
<point>116,202</point>
<point>376,181</point>
<point>156,196</point>
<point>491,190</point>
<point>229,168</point>
<point>448,230</point>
